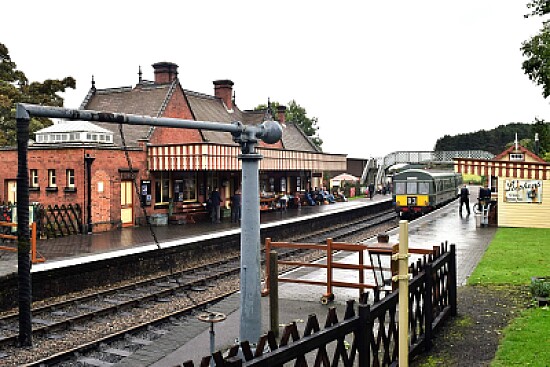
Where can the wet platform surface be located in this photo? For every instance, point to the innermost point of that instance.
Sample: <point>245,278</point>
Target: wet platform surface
<point>60,251</point>
<point>297,301</point>
<point>190,340</point>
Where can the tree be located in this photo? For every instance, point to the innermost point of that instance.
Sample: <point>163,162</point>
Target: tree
<point>537,49</point>
<point>15,88</point>
<point>298,115</point>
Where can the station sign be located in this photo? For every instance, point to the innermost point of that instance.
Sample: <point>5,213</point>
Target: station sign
<point>523,191</point>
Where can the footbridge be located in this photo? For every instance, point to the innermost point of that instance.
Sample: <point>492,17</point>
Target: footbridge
<point>376,169</point>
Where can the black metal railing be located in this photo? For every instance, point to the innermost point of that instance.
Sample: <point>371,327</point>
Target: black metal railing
<point>368,337</point>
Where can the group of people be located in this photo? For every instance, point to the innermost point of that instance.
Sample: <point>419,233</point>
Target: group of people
<point>319,196</point>
<point>213,206</point>
<point>313,197</point>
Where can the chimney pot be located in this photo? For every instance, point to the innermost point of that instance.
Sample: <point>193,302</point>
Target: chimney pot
<point>281,114</point>
<point>223,89</point>
<point>165,72</point>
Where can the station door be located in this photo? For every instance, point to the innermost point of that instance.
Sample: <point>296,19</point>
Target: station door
<point>126,203</point>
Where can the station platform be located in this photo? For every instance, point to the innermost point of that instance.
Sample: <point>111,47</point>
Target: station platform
<point>65,251</point>
<point>190,341</point>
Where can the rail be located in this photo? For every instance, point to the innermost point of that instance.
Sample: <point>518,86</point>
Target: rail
<point>375,252</point>
<point>36,257</point>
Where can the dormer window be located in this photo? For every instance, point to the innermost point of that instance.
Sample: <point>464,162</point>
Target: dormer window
<point>517,157</point>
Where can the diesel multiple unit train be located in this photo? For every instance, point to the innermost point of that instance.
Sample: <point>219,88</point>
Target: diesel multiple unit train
<point>418,191</point>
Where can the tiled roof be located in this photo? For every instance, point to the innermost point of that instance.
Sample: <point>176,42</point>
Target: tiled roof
<point>209,108</point>
<point>295,139</point>
<point>150,99</point>
<point>144,99</point>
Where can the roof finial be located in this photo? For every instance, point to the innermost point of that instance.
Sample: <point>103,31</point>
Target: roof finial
<point>93,83</point>
<point>140,74</point>
<point>269,113</point>
<point>516,141</point>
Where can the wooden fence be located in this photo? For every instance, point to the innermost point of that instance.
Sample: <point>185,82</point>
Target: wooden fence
<point>59,221</point>
<point>368,337</point>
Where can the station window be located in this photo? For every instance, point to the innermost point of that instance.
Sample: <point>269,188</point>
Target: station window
<point>517,157</point>
<point>51,178</point>
<point>162,189</point>
<point>70,178</point>
<point>185,190</point>
<point>34,178</point>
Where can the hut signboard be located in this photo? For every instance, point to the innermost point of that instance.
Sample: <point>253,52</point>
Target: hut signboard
<point>523,191</point>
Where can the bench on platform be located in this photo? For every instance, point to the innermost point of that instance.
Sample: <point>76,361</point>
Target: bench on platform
<point>188,213</point>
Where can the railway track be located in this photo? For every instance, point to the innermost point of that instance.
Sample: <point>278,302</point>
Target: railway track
<point>65,330</point>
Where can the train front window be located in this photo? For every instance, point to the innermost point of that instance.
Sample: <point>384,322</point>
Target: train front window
<point>423,188</point>
<point>399,188</point>
<point>411,188</point>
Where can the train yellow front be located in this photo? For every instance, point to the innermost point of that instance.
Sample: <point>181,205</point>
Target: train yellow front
<point>418,191</point>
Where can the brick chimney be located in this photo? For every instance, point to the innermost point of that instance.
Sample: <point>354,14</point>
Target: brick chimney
<point>165,72</point>
<point>223,89</point>
<point>281,114</point>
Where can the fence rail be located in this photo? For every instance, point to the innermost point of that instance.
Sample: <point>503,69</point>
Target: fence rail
<point>368,337</point>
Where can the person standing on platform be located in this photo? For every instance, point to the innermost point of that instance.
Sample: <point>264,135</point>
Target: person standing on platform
<point>464,199</point>
<point>216,200</point>
<point>236,207</point>
<point>371,190</point>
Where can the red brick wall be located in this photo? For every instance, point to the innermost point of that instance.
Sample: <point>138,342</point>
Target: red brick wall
<point>177,108</point>
<point>106,168</point>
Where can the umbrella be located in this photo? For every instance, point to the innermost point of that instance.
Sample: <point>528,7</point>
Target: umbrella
<point>345,177</point>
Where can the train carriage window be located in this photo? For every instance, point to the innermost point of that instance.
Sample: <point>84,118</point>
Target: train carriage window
<point>411,188</point>
<point>423,188</point>
<point>400,188</point>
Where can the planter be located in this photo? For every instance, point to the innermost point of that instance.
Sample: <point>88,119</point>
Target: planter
<point>540,290</point>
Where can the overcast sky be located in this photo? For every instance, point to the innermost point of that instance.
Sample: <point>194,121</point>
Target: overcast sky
<point>380,76</point>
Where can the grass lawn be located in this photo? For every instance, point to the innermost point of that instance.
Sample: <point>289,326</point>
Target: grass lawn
<point>514,256</point>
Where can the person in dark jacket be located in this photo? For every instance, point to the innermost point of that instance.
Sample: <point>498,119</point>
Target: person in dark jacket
<point>236,207</point>
<point>216,200</point>
<point>464,199</point>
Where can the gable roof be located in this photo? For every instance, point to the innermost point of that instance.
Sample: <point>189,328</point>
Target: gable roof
<point>150,99</point>
<point>147,99</point>
<point>502,156</point>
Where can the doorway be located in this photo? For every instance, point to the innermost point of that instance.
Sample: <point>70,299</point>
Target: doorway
<point>126,203</point>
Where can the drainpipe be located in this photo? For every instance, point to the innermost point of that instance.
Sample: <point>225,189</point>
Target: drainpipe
<point>88,161</point>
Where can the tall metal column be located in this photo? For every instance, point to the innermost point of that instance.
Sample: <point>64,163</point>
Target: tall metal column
<point>23,235</point>
<point>251,310</point>
<point>246,135</point>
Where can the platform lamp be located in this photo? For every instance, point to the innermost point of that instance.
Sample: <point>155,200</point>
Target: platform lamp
<point>384,268</point>
<point>88,160</point>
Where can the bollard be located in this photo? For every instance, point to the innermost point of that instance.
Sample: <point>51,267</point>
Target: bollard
<point>274,293</point>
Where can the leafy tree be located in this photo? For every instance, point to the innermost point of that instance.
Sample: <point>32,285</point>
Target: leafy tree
<point>493,141</point>
<point>15,88</point>
<point>298,115</point>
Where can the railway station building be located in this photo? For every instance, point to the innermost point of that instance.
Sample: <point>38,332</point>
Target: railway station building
<point>174,168</point>
<point>517,179</point>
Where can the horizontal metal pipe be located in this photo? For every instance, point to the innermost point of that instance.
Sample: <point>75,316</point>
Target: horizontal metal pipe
<point>125,119</point>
